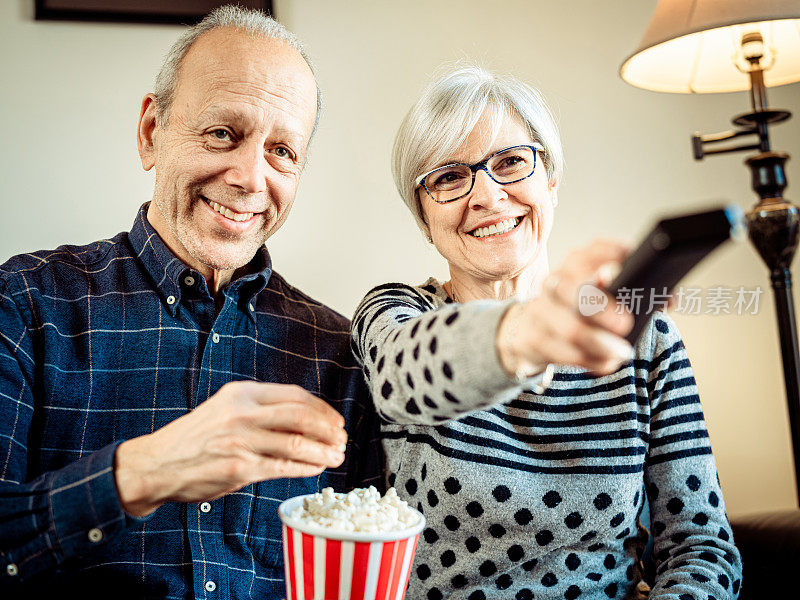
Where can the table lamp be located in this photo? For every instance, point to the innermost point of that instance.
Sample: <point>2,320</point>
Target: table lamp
<point>710,46</point>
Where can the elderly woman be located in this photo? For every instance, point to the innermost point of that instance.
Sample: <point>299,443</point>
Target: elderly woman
<point>525,433</point>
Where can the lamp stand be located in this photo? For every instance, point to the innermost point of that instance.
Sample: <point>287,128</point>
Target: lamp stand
<point>773,223</point>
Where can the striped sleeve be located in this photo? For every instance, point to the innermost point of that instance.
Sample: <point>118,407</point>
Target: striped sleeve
<point>427,365</point>
<point>693,544</point>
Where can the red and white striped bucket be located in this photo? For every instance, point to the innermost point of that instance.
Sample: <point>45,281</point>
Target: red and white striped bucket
<point>326,565</point>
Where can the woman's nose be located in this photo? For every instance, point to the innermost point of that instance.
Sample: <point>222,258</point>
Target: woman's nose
<point>248,169</point>
<point>486,192</point>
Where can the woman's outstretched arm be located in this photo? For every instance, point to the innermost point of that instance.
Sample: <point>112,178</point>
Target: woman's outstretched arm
<point>425,365</point>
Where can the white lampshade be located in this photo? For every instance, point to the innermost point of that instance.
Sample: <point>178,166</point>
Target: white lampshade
<point>694,46</point>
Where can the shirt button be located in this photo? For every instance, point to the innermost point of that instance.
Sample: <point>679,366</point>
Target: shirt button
<point>189,280</point>
<point>210,586</point>
<point>95,535</point>
<point>12,570</point>
<point>205,507</point>
<point>170,299</point>
<point>215,338</point>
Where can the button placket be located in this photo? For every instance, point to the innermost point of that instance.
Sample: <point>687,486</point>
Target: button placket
<point>207,538</point>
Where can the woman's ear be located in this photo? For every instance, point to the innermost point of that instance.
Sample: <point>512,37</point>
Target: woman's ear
<point>554,193</point>
<point>427,233</point>
<point>422,222</point>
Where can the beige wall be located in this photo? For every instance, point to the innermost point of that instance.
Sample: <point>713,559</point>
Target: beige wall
<point>70,99</point>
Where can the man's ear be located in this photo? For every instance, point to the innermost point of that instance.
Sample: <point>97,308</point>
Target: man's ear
<point>145,134</point>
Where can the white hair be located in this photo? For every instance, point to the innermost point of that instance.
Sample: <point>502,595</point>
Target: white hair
<point>446,113</point>
<point>250,21</point>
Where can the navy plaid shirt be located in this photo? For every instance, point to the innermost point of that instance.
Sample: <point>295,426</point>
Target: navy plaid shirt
<point>113,340</point>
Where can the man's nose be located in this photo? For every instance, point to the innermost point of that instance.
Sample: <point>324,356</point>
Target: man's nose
<point>248,169</point>
<point>486,192</point>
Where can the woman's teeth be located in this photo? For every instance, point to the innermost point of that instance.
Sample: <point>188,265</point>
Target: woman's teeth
<point>497,228</point>
<point>227,212</point>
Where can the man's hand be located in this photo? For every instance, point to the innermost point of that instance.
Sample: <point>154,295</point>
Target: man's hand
<point>244,433</point>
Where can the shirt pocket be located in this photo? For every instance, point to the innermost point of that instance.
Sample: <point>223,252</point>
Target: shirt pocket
<point>264,535</point>
<point>264,532</point>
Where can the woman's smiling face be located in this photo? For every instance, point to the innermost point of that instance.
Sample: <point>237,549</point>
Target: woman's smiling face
<point>459,229</point>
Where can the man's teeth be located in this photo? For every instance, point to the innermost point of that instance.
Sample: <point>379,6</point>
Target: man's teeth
<point>496,229</point>
<point>227,212</point>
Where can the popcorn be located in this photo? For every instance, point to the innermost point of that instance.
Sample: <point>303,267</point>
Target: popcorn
<point>361,510</point>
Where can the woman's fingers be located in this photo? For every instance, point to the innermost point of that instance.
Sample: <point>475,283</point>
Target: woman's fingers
<point>582,278</point>
<point>590,350</point>
<point>611,318</point>
<point>585,262</point>
<point>595,263</point>
<point>558,334</point>
<point>555,328</point>
<point>599,343</point>
<point>568,291</point>
<point>588,339</point>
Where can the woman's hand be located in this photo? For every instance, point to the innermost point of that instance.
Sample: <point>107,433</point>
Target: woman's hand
<point>550,328</point>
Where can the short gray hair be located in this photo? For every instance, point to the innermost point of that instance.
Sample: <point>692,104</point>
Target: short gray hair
<point>251,21</point>
<point>448,110</point>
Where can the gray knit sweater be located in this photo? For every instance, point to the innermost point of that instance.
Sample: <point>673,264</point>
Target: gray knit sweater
<point>530,496</point>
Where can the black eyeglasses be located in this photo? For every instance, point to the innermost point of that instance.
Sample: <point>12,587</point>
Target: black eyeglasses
<point>454,181</point>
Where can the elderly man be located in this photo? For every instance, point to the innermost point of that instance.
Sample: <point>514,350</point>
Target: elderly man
<point>162,391</point>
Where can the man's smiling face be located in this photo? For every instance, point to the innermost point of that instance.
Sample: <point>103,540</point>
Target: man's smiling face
<point>229,157</point>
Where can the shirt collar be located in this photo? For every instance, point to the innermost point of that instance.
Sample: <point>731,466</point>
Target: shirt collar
<point>170,274</point>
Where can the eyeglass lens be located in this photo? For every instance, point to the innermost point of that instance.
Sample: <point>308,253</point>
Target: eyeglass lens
<point>508,166</point>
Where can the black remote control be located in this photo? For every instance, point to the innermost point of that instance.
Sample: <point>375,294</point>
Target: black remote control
<point>671,249</point>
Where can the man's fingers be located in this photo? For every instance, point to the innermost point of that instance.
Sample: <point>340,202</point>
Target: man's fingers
<point>273,393</point>
<point>279,468</point>
<point>305,420</point>
<point>293,447</point>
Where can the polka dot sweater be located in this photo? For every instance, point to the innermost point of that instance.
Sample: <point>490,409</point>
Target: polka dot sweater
<point>530,496</point>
